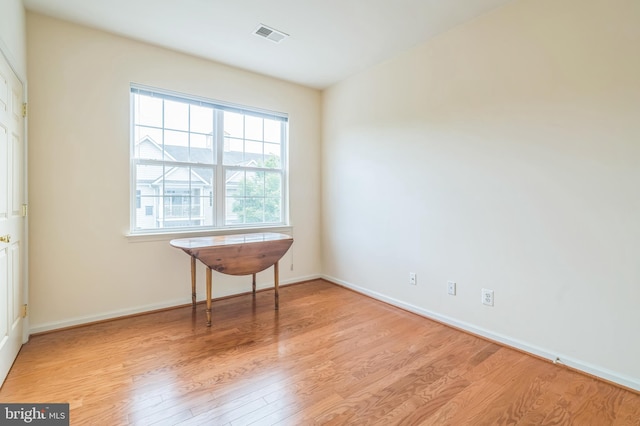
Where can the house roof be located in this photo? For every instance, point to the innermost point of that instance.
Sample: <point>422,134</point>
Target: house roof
<point>197,155</point>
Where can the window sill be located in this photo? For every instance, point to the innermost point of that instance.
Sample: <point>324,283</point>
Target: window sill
<point>167,236</point>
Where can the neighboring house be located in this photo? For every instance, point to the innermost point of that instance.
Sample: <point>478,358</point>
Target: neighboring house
<point>183,196</point>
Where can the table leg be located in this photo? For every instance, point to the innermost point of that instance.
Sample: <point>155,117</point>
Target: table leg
<point>276,285</point>
<point>193,282</point>
<point>254,283</point>
<point>208,297</point>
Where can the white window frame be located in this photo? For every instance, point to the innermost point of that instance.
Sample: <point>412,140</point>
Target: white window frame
<point>219,169</point>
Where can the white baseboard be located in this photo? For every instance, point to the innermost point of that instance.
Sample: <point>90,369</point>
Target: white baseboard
<point>56,325</point>
<point>594,370</point>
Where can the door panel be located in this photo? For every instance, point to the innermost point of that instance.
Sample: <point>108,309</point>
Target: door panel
<point>16,189</point>
<point>11,219</point>
<point>4,294</point>
<point>15,293</point>
<point>4,172</point>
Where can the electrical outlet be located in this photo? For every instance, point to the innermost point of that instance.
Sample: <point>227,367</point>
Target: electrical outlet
<point>412,278</point>
<point>451,288</point>
<point>487,297</point>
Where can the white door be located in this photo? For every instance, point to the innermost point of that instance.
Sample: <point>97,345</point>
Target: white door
<point>11,217</point>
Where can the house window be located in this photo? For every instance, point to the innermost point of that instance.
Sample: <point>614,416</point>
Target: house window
<point>202,164</point>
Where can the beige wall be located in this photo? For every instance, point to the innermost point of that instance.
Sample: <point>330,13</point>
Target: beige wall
<point>503,154</point>
<point>82,267</point>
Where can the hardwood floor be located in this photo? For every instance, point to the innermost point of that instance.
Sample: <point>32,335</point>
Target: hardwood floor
<point>329,356</point>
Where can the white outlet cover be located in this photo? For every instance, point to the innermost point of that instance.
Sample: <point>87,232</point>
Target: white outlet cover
<point>412,278</point>
<point>451,288</point>
<point>487,297</point>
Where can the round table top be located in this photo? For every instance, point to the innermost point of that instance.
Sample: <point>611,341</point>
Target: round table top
<point>225,240</point>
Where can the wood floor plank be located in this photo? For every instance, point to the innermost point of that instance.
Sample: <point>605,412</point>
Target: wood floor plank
<point>484,389</point>
<point>423,404</point>
<point>629,412</point>
<point>383,390</point>
<point>587,401</point>
<point>328,356</point>
<point>518,397</point>
<point>302,415</point>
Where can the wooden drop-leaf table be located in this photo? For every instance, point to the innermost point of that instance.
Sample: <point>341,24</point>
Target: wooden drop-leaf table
<point>241,254</point>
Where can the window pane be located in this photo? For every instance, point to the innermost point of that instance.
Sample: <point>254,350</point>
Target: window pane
<point>176,205</point>
<point>251,147</point>
<point>235,191</point>
<point>199,140</point>
<point>253,154</point>
<point>187,180</point>
<point>146,215</point>
<point>251,151</point>
<point>253,210</point>
<point>177,180</point>
<point>233,125</point>
<point>234,211</point>
<point>147,178</point>
<point>254,184</point>
<point>241,211</point>
<point>272,131</point>
<point>148,143</point>
<point>153,133</point>
<point>176,138</point>
<point>187,201</point>
<point>273,197</point>
<point>201,119</point>
<point>253,197</point>
<point>233,152</point>
<point>253,127</point>
<point>272,210</point>
<point>176,115</point>
<point>201,154</point>
<point>206,211</point>
<point>148,111</point>
<point>201,181</point>
<point>273,185</point>
<point>272,156</point>
<point>234,183</point>
<point>202,193</point>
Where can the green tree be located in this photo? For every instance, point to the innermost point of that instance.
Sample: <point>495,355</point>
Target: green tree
<point>260,196</point>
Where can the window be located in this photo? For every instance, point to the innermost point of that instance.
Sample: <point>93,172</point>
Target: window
<point>201,164</point>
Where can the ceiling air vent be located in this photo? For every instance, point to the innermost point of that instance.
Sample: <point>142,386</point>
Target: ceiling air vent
<point>270,34</point>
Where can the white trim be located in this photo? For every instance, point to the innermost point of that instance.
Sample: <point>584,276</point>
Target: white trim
<point>50,326</point>
<point>56,325</point>
<point>13,63</point>
<point>612,376</point>
<point>25,255</point>
<point>167,236</point>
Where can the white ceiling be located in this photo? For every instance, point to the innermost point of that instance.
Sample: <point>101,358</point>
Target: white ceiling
<point>329,39</point>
